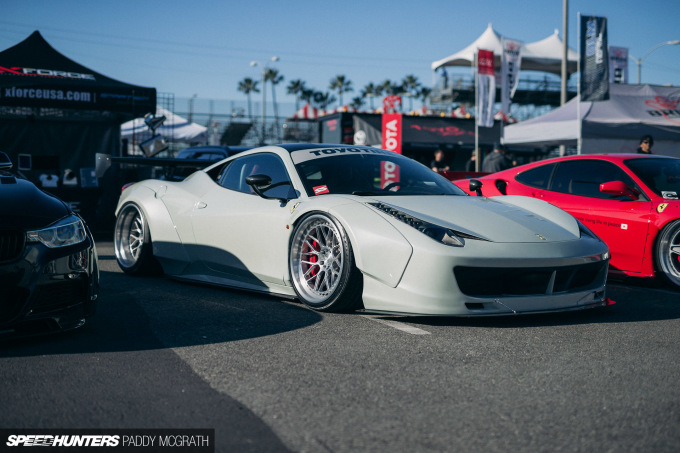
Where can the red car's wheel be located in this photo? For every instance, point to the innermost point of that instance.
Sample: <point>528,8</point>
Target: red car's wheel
<point>668,252</point>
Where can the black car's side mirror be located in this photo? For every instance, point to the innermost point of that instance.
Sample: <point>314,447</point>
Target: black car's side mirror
<point>262,183</point>
<point>5,162</point>
<point>476,186</point>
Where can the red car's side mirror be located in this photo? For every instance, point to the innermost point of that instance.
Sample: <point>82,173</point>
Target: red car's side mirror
<point>619,188</point>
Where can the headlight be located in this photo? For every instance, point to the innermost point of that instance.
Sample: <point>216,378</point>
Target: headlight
<point>438,233</point>
<point>68,231</point>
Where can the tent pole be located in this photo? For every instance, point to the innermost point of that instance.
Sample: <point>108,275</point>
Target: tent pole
<point>478,155</point>
<point>579,139</point>
<point>565,56</point>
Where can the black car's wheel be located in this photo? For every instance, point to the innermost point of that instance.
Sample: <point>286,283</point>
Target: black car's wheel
<point>132,242</point>
<point>668,252</point>
<point>322,266</point>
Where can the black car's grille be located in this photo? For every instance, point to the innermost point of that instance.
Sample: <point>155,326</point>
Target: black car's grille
<point>11,244</point>
<point>498,282</point>
<point>58,295</point>
<point>12,300</point>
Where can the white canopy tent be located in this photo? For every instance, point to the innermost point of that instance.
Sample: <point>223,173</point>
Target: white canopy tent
<point>544,55</point>
<point>613,126</point>
<point>174,128</point>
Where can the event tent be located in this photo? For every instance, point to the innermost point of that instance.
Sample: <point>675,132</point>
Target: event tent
<point>174,128</point>
<point>614,125</point>
<point>544,55</point>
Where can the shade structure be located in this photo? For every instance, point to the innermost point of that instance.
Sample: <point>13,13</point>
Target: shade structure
<point>35,74</point>
<point>307,112</point>
<point>544,55</point>
<point>174,128</point>
<point>615,125</point>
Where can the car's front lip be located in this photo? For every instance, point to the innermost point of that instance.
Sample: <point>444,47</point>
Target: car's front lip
<point>52,289</point>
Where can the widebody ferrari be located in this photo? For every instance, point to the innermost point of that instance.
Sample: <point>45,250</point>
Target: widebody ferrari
<point>48,260</point>
<point>628,200</point>
<point>350,227</point>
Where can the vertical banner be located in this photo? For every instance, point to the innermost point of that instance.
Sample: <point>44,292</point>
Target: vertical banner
<point>594,59</point>
<point>618,64</point>
<point>486,88</point>
<point>510,63</point>
<point>391,132</point>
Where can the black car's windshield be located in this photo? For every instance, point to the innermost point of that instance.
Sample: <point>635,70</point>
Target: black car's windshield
<point>661,175</point>
<point>367,171</point>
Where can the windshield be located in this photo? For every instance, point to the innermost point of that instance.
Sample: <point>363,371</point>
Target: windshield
<point>661,175</point>
<point>367,171</point>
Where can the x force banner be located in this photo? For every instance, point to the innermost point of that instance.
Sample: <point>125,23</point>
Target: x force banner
<point>510,63</point>
<point>486,88</point>
<point>618,64</point>
<point>594,59</point>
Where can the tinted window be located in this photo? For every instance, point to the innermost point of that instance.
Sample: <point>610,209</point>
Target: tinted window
<point>537,177</point>
<point>234,177</point>
<point>583,177</point>
<point>659,174</point>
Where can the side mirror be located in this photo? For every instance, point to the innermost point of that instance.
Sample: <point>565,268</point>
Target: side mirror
<point>258,181</point>
<point>619,188</point>
<point>5,162</point>
<point>476,186</point>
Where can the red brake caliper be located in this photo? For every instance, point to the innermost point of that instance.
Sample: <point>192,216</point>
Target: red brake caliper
<point>313,259</point>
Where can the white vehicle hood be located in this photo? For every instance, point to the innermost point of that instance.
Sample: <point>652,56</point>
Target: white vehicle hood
<point>498,219</point>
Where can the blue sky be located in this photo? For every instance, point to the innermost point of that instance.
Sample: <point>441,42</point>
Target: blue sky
<point>205,47</point>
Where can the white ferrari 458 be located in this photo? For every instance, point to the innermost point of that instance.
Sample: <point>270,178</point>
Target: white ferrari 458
<point>350,227</point>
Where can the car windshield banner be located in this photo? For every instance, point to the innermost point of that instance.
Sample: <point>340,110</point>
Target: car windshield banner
<point>486,88</point>
<point>594,59</point>
<point>510,63</point>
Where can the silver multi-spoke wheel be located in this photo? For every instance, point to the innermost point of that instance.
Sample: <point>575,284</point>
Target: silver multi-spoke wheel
<point>130,236</point>
<point>317,258</point>
<point>668,252</point>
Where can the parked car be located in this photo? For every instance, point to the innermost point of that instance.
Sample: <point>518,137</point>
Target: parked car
<point>49,272</point>
<point>351,227</point>
<point>629,200</point>
<point>209,153</point>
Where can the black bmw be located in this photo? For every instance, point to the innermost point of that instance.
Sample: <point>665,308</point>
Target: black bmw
<point>49,275</point>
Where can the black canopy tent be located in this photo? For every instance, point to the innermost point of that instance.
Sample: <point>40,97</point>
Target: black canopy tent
<point>61,113</point>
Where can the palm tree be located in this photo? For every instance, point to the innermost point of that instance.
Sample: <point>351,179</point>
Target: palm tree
<point>424,94</point>
<point>387,87</point>
<point>357,102</point>
<point>323,99</point>
<point>248,86</point>
<point>273,76</point>
<point>296,88</point>
<point>370,91</point>
<point>410,85</point>
<point>307,95</point>
<point>342,85</point>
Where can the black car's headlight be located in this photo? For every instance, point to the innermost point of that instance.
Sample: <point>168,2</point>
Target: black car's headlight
<point>441,234</point>
<point>68,231</point>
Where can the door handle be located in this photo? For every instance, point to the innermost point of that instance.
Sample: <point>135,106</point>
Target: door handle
<point>200,205</point>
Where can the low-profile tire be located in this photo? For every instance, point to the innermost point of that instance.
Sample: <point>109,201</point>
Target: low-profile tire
<point>322,267</point>
<point>132,243</point>
<point>667,253</point>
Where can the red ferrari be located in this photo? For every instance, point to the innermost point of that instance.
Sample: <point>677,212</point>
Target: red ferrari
<point>628,200</point>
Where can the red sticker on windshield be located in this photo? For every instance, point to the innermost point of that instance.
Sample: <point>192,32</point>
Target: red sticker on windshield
<point>318,190</point>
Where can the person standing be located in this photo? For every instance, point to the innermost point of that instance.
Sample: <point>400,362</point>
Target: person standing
<point>496,161</point>
<point>439,164</point>
<point>470,164</point>
<point>646,143</point>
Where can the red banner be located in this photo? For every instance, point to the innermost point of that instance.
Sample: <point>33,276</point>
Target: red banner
<point>389,173</point>
<point>391,132</point>
<point>485,64</point>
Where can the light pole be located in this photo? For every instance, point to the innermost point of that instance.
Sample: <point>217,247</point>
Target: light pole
<point>639,61</point>
<point>264,90</point>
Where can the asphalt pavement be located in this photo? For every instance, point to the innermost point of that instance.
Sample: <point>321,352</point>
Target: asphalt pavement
<point>270,375</point>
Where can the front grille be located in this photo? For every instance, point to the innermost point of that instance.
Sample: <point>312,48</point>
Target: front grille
<point>11,244</point>
<point>499,282</point>
<point>58,295</point>
<point>12,300</point>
